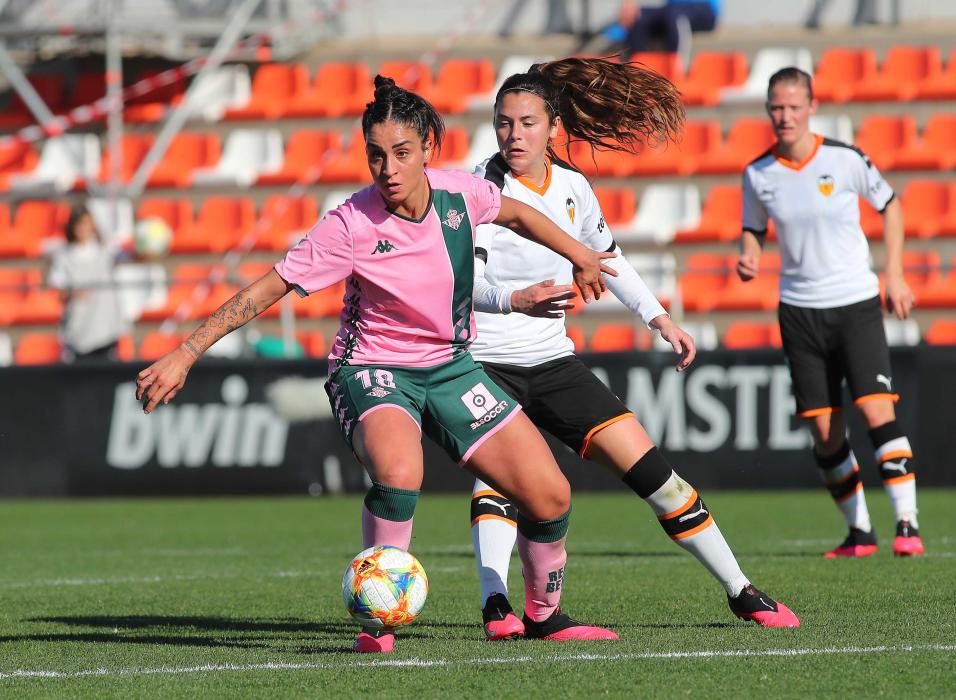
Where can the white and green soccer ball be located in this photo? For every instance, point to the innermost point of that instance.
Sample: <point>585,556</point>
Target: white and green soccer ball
<point>152,238</point>
<point>384,587</point>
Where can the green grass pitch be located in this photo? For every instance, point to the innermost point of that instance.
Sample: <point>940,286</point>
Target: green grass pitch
<point>241,597</point>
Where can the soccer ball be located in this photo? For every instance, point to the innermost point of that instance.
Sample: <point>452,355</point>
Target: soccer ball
<point>151,238</point>
<point>384,587</point>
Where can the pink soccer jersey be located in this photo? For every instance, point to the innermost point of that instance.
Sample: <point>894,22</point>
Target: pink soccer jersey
<point>408,298</point>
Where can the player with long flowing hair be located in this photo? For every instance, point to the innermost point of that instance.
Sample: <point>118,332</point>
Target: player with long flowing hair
<point>522,341</point>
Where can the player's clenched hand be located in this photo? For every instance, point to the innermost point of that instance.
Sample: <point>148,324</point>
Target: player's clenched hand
<point>679,339</point>
<point>588,271</point>
<point>163,379</point>
<point>544,299</point>
<point>748,266</point>
<point>899,297</point>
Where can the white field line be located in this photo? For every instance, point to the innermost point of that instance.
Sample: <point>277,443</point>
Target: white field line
<point>451,663</point>
<point>175,578</point>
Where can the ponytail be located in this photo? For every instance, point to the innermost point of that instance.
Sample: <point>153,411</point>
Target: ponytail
<point>612,106</point>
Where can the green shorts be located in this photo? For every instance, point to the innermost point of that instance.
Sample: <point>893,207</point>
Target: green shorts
<point>455,404</point>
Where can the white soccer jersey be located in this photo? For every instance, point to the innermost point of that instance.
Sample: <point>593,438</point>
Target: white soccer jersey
<point>514,262</point>
<point>824,256</point>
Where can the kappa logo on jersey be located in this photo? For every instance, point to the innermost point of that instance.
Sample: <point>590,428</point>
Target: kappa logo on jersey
<point>453,218</point>
<point>825,185</point>
<point>384,247</point>
<point>378,392</point>
<point>482,404</point>
<point>569,205</point>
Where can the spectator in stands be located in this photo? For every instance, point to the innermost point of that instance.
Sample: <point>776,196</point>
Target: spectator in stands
<point>666,27</point>
<point>865,13</point>
<point>400,365</point>
<point>830,316</point>
<point>83,271</point>
<point>522,340</point>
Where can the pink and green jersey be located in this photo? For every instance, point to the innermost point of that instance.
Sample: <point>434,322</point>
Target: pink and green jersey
<point>408,296</point>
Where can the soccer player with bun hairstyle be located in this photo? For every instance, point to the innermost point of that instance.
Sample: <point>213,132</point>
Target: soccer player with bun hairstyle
<point>522,341</point>
<point>399,366</point>
<point>830,315</point>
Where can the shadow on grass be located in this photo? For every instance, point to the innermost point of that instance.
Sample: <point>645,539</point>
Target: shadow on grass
<point>239,633</point>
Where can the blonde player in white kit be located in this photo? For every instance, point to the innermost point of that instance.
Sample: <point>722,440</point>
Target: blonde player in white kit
<point>830,315</point>
<point>522,343</point>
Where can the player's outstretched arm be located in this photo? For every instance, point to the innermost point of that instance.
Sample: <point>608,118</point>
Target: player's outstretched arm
<point>680,340</point>
<point>163,379</point>
<point>530,223</point>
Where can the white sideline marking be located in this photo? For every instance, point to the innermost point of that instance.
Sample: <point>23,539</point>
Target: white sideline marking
<point>148,579</point>
<point>428,663</point>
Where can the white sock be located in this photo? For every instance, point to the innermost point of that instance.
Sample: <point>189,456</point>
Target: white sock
<point>689,523</point>
<point>493,534</point>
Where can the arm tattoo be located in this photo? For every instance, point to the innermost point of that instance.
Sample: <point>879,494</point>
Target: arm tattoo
<point>228,317</point>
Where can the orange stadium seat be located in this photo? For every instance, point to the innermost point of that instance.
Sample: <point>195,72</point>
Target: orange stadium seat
<point>600,163</point>
<point>7,237</point>
<point>184,280</point>
<point>290,217</point>
<point>934,149</point>
<point>40,304</point>
<point>618,204</point>
<point>576,334</point>
<point>938,291</point>
<point>125,349</point>
<point>719,219</point>
<point>941,86</point>
<point>454,148</point>
<point>16,157</point>
<point>324,303</point>
<point>304,150</point>
<point>187,152</point>
<point>698,138</point>
<point>177,213</point>
<point>899,76</point>
<point>883,137</point>
<point>315,344</point>
<point>457,80</point>
<point>38,349</point>
<point>411,75</point>
<point>33,221</point>
<point>920,269</point>
<point>274,87</point>
<point>759,294</point>
<point>745,335</point>
<point>156,344</point>
<point>12,292</point>
<point>613,337</point>
<point>748,138</point>
<point>871,221</point>
<point>668,64</point>
<point>338,89</point>
<point>709,73</point>
<point>926,204</point>
<point>219,224</point>
<point>948,225</point>
<point>134,148</point>
<point>706,275</point>
<point>349,164</point>
<point>941,332</point>
<point>840,70</point>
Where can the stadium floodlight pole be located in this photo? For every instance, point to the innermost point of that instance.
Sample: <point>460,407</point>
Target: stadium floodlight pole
<point>175,121</point>
<point>114,123</point>
<point>32,100</point>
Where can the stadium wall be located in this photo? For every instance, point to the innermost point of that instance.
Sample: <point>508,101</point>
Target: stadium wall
<point>728,423</point>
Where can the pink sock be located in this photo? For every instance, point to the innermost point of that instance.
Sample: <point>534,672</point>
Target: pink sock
<point>543,569</point>
<point>377,531</point>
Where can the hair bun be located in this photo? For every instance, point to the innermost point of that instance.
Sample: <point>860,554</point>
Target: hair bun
<point>383,84</point>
